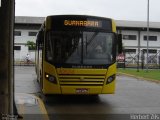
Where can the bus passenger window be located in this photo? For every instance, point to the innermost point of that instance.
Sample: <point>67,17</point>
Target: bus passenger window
<point>49,56</point>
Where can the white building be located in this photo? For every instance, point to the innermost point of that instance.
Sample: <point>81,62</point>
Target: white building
<point>26,29</point>
<point>133,33</point>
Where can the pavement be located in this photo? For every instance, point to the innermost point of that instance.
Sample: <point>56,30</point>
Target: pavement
<point>30,107</point>
<point>132,96</point>
<point>28,104</point>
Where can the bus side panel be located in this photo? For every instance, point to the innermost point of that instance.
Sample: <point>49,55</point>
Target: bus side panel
<point>49,87</point>
<point>38,61</point>
<point>113,26</point>
<point>109,88</point>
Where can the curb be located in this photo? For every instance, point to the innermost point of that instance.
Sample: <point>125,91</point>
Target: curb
<point>139,78</point>
<point>31,107</point>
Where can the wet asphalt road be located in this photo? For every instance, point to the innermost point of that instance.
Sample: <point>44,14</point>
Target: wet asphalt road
<point>133,96</point>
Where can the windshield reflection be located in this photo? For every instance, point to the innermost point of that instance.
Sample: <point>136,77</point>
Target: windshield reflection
<point>88,48</point>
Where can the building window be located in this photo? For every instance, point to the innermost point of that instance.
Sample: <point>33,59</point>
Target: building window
<point>153,51</point>
<point>151,38</point>
<point>17,47</point>
<point>32,33</point>
<point>17,33</point>
<point>129,37</point>
<point>131,51</point>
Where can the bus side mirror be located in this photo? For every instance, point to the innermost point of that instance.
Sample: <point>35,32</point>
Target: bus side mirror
<point>119,41</point>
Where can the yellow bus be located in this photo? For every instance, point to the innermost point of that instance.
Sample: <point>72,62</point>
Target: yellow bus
<point>76,54</point>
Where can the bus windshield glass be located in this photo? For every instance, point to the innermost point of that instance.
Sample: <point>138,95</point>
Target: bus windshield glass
<point>81,48</point>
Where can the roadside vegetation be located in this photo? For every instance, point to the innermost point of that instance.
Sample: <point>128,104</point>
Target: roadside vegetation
<point>151,74</point>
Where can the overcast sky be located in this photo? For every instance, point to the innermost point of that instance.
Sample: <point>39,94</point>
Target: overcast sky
<point>135,10</point>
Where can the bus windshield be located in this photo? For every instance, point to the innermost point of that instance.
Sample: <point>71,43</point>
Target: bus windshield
<point>81,48</point>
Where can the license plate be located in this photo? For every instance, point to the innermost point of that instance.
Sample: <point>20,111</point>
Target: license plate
<point>81,90</point>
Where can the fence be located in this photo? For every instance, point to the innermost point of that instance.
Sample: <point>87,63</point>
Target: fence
<point>131,60</point>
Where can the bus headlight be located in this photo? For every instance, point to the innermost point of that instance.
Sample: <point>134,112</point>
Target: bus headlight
<point>51,78</point>
<point>111,78</point>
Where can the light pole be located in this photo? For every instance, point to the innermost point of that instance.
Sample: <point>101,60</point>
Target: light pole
<point>147,32</point>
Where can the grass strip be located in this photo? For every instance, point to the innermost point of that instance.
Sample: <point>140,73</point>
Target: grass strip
<point>151,74</point>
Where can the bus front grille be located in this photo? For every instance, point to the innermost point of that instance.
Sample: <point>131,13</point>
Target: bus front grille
<point>81,80</point>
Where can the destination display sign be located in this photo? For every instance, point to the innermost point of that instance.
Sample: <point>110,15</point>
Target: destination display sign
<point>84,23</point>
<point>74,22</point>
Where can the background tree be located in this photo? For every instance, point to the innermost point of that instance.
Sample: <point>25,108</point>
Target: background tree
<point>31,45</point>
